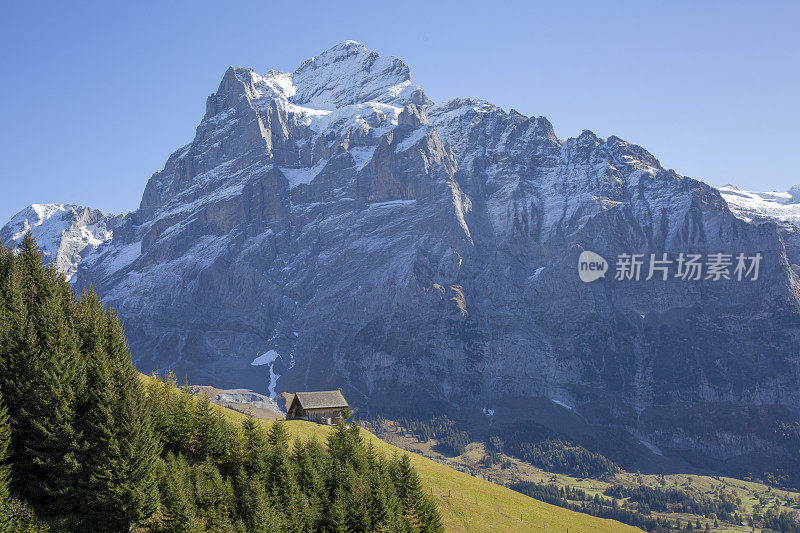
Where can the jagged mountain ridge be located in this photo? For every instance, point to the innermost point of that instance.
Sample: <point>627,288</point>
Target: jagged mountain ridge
<point>779,208</point>
<point>337,226</point>
<point>65,232</point>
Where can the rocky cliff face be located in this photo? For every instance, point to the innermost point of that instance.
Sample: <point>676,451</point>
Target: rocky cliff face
<point>779,208</point>
<point>64,232</point>
<point>334,227</point>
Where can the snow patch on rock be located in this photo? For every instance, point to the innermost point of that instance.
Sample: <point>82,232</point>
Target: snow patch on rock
<point>268,358</point>
<point>562,404</point>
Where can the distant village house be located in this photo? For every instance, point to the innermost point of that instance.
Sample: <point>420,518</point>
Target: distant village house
<point>323,407</point>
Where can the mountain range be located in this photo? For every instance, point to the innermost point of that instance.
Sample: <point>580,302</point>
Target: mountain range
<point>335,227</point>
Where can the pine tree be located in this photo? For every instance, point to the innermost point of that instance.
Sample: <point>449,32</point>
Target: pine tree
<point>99,453</point>
<point>281,481</point>
<point>6,266</point>
<point>277,434</point>
<point>5,469</point>
<point>180,513</point>
<point>207,431</point>
<point>215,500</point>
<point>180,435</point>
<point>139,446</point>
<point>417,506</point>
<point>338,516</point>
<point>259,517</point>
<point>46,374</point>
<point>256,449</point>
<point>352,492</point>
<point>383,504</point>
<point>345,410</point>
<point>309,477</point>
<point>159,397</point>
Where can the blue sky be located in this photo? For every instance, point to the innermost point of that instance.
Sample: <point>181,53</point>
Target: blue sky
<point>96,95</point>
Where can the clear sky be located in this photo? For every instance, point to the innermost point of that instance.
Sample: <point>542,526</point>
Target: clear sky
<point>96,95</point>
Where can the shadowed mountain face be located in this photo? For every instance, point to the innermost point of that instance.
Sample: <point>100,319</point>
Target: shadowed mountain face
<point>336,228</point>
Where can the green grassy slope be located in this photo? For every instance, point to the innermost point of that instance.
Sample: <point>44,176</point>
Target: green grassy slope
<point>465,502</point>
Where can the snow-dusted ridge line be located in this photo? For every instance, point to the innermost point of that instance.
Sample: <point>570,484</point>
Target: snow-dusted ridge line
<point>749,206</point>
<point>66,233</point>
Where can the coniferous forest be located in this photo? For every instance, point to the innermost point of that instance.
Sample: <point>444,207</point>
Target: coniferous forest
<point>87,445</point>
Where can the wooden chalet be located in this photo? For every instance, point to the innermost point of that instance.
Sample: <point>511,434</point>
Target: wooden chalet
<point>323,407</point>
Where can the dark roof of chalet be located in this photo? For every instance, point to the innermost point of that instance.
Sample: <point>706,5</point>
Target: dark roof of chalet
<point>321,399</point>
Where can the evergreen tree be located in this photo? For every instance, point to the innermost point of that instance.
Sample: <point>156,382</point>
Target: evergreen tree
<point>258,515</point>
<point>99,480</point>
<point>352,492</point>
<point>139,447</point>
<point>208,432</point>
<point>215,500</point>
<point>384,506</point>
<point>159,396</point>
<point>281,480</point>
<point>180,435</point>
<point>180,513</point>
<point>46,373</point>
<point>338,516</point>
<point>278,435</point>
<point>5,470</point>
<point>417,506</point>
<point>256,448</point>
<point>309,477</point>
<point>345,410</point>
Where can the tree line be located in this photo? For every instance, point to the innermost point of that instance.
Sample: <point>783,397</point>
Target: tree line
<point>559,456</point>
<point>723,504</point>
<point>549,453</point>
<point>86,445</point>
<point>450,439</point>
<point>578,500</point>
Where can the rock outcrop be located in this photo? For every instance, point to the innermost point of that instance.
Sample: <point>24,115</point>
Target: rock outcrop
<point>66,233</point>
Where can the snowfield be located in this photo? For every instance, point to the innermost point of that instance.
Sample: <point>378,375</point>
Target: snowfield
<point>779,206</point>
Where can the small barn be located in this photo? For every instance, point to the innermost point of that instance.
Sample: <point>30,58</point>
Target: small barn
<point>323,407</point>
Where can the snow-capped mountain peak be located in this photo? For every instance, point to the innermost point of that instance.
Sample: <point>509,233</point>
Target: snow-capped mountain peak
<point>749,205</point>
<point>64,232</point>
<point>348,73</point>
